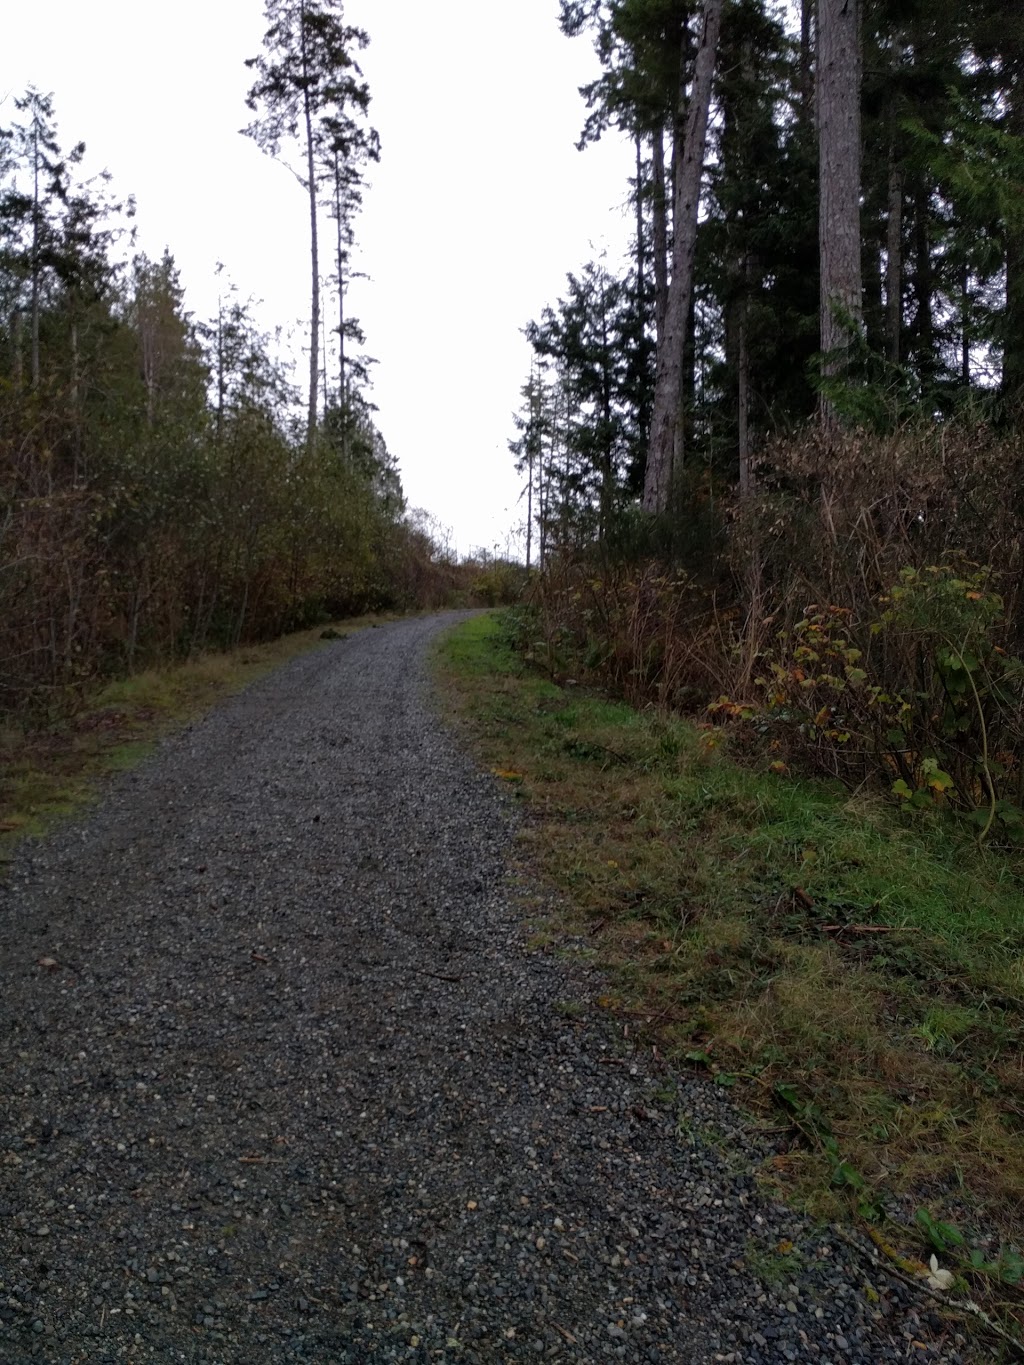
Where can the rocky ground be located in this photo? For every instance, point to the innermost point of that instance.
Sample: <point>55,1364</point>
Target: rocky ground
<point>295,1090</point>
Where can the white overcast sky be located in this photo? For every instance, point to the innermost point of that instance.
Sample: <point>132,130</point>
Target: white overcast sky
<point>479,207</point>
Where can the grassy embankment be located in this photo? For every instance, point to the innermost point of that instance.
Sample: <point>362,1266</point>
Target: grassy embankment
<point>857,974</point>
<point>46,774</point>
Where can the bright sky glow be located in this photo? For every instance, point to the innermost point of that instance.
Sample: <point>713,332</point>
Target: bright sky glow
<point>480,205</point>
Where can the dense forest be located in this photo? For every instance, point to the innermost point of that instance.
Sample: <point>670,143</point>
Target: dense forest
<point>163,488</point>
<point>775,465</point>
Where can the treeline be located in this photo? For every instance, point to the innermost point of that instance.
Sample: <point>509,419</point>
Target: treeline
<point>161,491</point>
<point>776,464</point>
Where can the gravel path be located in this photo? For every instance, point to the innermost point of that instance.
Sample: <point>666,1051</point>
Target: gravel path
<point>297,1091</point>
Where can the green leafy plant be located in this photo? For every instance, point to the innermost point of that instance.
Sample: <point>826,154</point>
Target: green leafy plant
<point>942,1236</point>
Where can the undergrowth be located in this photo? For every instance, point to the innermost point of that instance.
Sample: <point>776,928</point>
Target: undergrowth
<point>857,972</point>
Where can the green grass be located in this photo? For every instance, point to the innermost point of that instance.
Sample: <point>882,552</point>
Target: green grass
<point>857,972</point>
<point>48,774</point>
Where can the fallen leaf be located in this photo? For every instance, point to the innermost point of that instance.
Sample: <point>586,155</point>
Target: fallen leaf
<point>939,1279</point>
<point>50,963</point>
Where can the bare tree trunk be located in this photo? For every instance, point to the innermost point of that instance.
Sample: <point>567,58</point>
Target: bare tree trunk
<point>323,331</point>
<point>641,255</point>
<point>342,379</point>
<point>659,216</point>
<point>529,507</point>
<point>924,285</point>
<point>1013,348</point>
<point>149,343</point>
<point>607,453</point>
<point>666,426</point>
<point>894,261</point>
<point>806,77</point>
<point>75,403</point>
<point>221,385</point>
<point>743,386</point>
<point>838,104</point>
<point>542,505</point>
<point>36,267</point>
<point>965,326</point>
<point>314,250</point>
<point>18,340</point>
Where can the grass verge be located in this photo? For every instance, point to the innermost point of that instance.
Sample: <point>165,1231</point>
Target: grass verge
<point>48,774</point>
<point>856,974</point>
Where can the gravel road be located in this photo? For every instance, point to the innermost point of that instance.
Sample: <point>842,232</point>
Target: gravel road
<point>298,1091</point>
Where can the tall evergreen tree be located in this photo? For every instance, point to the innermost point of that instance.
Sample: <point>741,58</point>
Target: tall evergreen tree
<point>307,82</point>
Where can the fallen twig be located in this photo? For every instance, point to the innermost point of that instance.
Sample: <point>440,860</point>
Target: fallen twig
<point>438,976</point>
<point>965,1306</point>
<point>869,929</point>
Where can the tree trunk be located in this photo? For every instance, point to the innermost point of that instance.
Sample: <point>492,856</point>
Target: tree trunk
<point>659,214</point>
<point>314,249</point>
<point>342,382</point>
<point>965,326</point>
<point>641,256</point>
<point>743,384</point>
<point>894,261</point>
<point>221,385</point>
<point>838,104</point>
<point>18,341</point>
<point>666,427</point>
<point>74,395</point>
<point>872,250</point>
<point>924,286</point>
<point>1013,347</point>
<point>806,70</point>
<point>607,450</point>
<point>36,267</point>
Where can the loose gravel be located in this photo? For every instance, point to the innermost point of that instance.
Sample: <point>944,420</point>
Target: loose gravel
<point>296,1090</point>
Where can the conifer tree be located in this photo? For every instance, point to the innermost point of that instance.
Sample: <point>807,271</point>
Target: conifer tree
<point>307,79</point>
